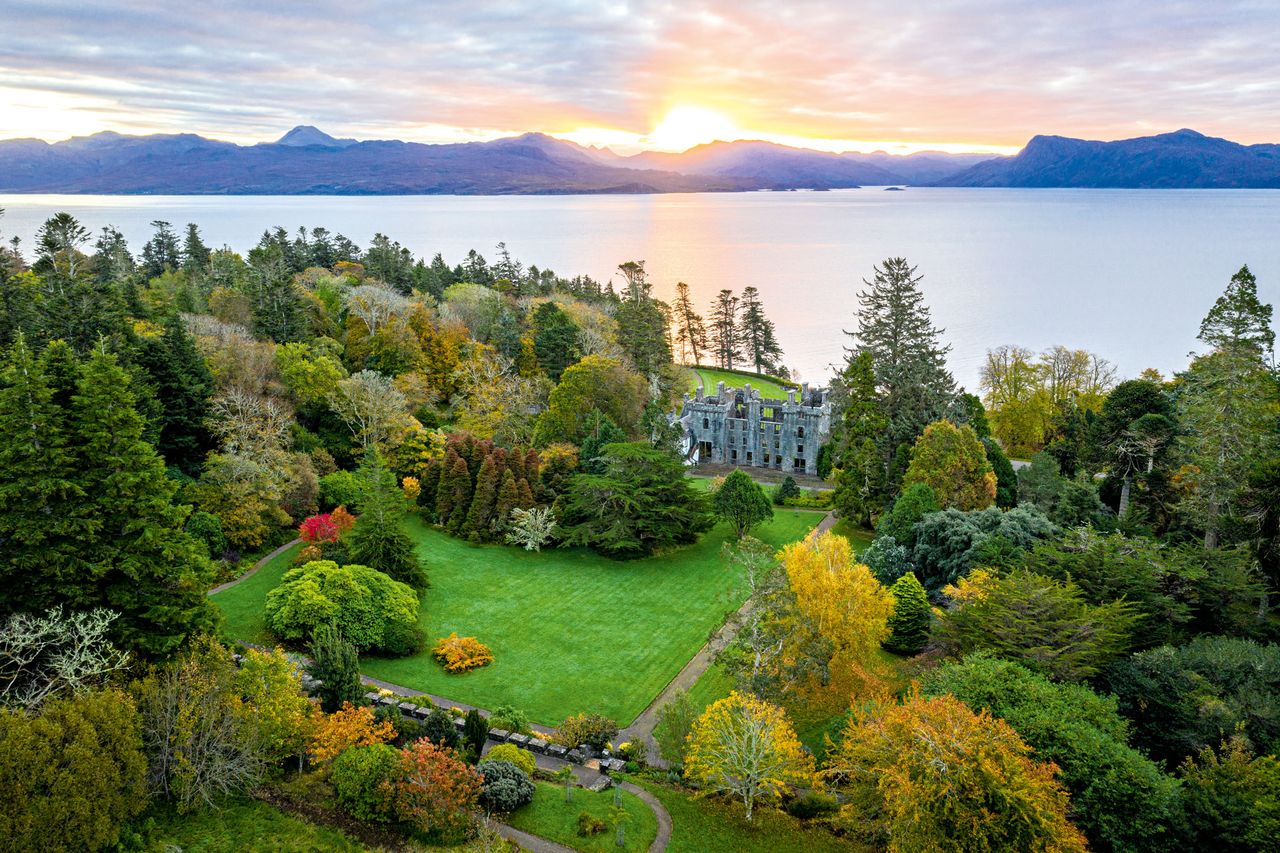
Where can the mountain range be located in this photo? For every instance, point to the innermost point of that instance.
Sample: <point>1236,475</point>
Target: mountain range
<point>307,161</point>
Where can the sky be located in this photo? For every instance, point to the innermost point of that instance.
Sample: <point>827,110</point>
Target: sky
<point>968,75</point>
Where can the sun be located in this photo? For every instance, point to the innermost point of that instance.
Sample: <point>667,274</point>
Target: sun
<point>686,126</point>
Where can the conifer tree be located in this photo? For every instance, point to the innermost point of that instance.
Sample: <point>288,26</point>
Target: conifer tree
<point>273,297</point>
<point>726,338</point>
<point>482,503</point>
<point>160,254</point>
<point>448,483</point>
<point>457,500</point>
<point>691,330</point>
<point>524,494</point>
<point>38,494</point>
<point>336,665</point>
<point>912,383</point>
<point>532,466</point>
<point>378,539</point>
<point>599,431</point>
<point>183,386</point>
<point>555,339</point>
<point>909,623</point>
<point>195,254</point>
<point>508,499</point>
<point>137,559</point>
<point>861,484</point>
<point>759,340</point>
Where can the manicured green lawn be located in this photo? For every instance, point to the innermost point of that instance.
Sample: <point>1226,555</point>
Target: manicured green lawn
<point>717,825</point>
<point>246,825</point>
<point>768,387</point>
<point>549,816</point>
<point>570,631</point>
<point>859,537</point>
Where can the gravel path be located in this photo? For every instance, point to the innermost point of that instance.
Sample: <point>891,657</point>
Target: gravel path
<point>642,728</point>
<point>262,562</point>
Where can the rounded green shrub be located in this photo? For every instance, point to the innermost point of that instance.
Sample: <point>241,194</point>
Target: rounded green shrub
<point>359,601</point>
<point>439,728</point>
<point>341,488</point>
<point>357,776</point>
<point>506,787</point>
<point>521,758</point>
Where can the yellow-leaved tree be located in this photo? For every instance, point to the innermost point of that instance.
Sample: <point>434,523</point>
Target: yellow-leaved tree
<point>952,461</point>
<point>272,691</point>
<point>840,596</point>
<point>930,774</point>
<point>744,746</point>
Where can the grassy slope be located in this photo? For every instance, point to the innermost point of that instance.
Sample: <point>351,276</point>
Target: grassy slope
<point>243,826</point>
<point>714,826</point>
<point>570,631</point>
<point>549,816</point>
<point>769,388</point>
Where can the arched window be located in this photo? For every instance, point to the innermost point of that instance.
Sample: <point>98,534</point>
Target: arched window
<point>706,423</point>
<point>800,432</point>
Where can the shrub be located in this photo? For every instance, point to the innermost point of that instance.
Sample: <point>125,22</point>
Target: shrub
<point>909,623</point>
<point>345,728</point>
<point>439,727</point>
<point>589,824</point>
<point>1044,624</point>
<point>949,543</point>
<point>1185,699</point>
<point>811,805</point>
<point>510,718</point>
<point>358,600</point>
<point>461,654</point>
<point>1232,799</point>
<point>506,787</point>
<point>815,499</point>
<point>406,728</point>
<point>272,691</point>
<point>521,758</point>
<point>358,776</point>
<point>887,560</point>
<point>434,792</point>
<point>787,490</point>
<point>1120,798</point>
<point>72,775</point>
<point>318,528</point>
<point>207,527</point>
<point>341,488</point>
<point>402,639</point>
<point>915,502</point>
<point>595,730</point>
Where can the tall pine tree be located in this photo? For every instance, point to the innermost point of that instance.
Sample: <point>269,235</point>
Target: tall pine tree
<point>726,338</point>
<point>137,559</point>
<point>913,385</point>
<point>690,329</point>
<point>759,341</point>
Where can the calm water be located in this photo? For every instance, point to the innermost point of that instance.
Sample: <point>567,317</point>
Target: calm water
<point>1126,273</point>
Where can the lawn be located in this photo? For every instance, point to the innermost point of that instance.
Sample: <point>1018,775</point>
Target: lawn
<point>768,387</point>
<point>239,826</point>
<point>570,631</point>
<point>717,825</point>
<point>549,816</point>
<point>859,537</point>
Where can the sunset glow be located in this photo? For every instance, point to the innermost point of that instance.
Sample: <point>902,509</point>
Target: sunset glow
<point>856,76</point>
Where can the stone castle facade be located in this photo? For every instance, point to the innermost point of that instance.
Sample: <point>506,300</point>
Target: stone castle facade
<point>738,427</point>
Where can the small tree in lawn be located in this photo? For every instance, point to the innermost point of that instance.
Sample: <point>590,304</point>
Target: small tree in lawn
<point>787,490</point>
<point>741,502</point>
<point>531,528</point>
<point>565,775</point>
<point>336,665</point>
<point>378,539</point>
<point>909,623</point>
<point>746,747</point>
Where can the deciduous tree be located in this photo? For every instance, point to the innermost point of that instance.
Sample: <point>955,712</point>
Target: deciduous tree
<point>952,461</point>
<point>746,747</point>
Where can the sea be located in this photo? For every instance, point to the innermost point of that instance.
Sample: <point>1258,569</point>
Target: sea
<point>1127,274</point>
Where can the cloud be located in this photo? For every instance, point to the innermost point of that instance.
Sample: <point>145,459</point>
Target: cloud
<point>987,72</point>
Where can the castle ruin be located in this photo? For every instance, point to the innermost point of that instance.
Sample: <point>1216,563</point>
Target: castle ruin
<point>737,427</point>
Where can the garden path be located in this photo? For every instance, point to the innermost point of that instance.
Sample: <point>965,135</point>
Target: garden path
<point>642,728</point>
<point>253,570</point>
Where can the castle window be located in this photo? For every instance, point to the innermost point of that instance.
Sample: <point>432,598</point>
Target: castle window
<point>800,432</point>
<point>800,449</point>
<point>748,455</point>
<point>706,423</point>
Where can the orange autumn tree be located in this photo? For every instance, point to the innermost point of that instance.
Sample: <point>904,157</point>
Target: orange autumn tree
<point>840,596</point>
<point>744,746</point>
<point>434,790</point>
<point>347,727</point>
<point>930,774</point>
